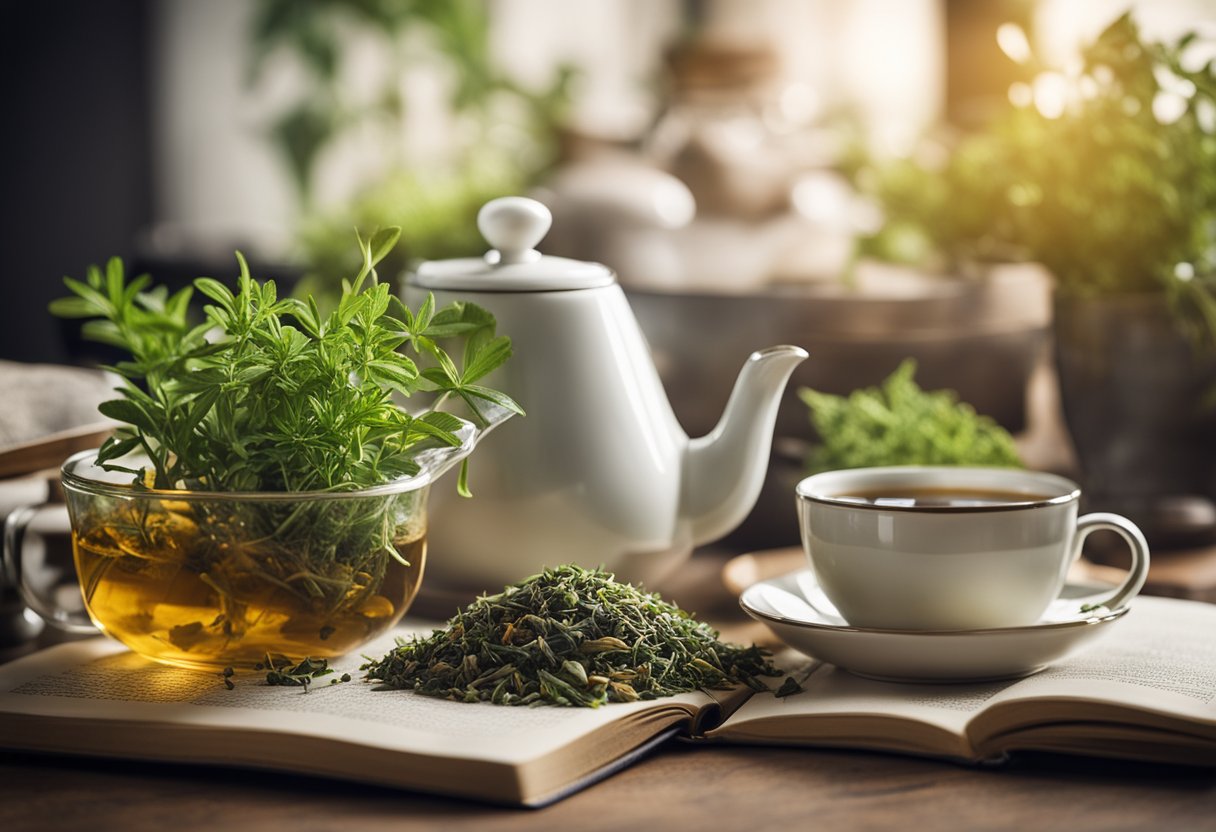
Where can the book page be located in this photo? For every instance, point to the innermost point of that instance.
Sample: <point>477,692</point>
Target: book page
<point>836,707</point>
<point>1159,659</point>
<point>100,680</point>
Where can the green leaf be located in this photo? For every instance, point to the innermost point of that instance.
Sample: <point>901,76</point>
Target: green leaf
<point>486,358</point>
<point>178,303</point>
<point>398,375</point>
<point>444,421</point>
<point>306,315</point>
<point>440,378</point>
<point>244,280</point>
<point>446,364</point>
<point>497,397</point>
<point>132,290</point>
<point>125,410</point>
<point>383,242</point>
<point>199,408</point>
<point>217,291</point>
<point>426,428</point>
<point>114,447</point>
<point>425,314</point>
<point>459,318</point>
<point>90,294</point>
<point>462,483</point>
<point>114,280</point>
<point>76,307</point>
<point>104,332</point>
<point>251,374</point>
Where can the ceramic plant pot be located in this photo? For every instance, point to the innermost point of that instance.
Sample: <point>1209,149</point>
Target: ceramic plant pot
<point>1133,391</point>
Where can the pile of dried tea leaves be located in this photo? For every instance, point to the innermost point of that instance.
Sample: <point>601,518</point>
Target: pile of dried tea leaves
<point>569,636</point>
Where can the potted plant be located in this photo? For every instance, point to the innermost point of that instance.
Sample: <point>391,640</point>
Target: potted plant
<point>1105,175</point>
<point>1110,182</point>
<point>264,492</point>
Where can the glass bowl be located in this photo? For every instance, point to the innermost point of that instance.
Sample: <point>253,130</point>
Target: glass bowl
<point>209,580</point>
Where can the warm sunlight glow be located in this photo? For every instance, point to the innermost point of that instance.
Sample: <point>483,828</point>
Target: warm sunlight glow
<point>1050,94</point>
<point>1168,107</point>
<point>822,197</point>
<point>1020,95</point>
<point>1013,42</point>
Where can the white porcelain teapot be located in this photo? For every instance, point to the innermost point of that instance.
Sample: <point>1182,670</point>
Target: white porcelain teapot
<point>599,472</point>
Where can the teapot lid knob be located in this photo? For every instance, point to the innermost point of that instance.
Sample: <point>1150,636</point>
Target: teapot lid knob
<point>513,226</point>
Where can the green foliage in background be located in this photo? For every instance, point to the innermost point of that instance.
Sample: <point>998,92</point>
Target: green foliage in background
<point>900,424</point>
<point>1114,195</point>
<point>503,135</point>
<point>320,35</point>
<point>437,213</point>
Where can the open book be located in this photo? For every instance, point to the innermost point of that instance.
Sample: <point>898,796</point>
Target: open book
<point>1146,691</point>
<point>96,698</point>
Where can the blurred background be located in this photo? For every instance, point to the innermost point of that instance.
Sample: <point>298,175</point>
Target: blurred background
<point>1017,195</point>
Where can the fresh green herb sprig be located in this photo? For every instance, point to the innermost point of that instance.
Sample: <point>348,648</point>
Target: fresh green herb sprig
<point>569,636</point>
<point>267,394</point>
<point>901,424</point>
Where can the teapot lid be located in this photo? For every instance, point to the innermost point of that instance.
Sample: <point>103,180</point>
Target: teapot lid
<point>513,225</point>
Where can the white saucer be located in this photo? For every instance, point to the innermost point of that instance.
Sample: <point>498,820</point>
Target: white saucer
<point>794,608</point>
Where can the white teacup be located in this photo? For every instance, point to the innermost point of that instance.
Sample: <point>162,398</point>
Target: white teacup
<point>915,560</point>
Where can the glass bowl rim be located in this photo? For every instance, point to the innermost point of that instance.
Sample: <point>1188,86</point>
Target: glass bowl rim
<point>78,482</point>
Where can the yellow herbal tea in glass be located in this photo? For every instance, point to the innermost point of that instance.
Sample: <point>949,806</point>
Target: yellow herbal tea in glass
<point>210,580</point>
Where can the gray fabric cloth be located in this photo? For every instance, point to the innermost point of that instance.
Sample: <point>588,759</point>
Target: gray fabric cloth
<point>37,400</point>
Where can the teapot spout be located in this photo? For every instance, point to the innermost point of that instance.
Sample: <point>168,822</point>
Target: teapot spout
<point>725,469</point>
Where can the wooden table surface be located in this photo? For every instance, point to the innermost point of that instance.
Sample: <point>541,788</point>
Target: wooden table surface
<point>679,787</point>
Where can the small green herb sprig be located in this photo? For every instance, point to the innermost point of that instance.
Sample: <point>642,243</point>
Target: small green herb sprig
<point>267,394</point>
<point>901,424</point>
<point>569,636</point>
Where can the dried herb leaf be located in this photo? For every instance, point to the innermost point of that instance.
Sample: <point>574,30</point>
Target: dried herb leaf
<point>282,672</point>
<point>788,688</point>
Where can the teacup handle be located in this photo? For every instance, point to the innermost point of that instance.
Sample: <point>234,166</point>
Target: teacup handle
<point>44,604</point>
<point>1131,534</point>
